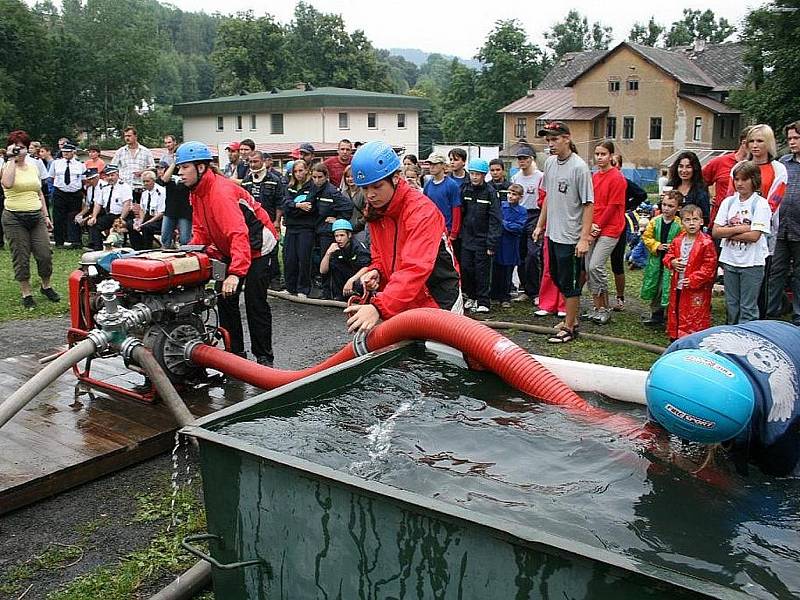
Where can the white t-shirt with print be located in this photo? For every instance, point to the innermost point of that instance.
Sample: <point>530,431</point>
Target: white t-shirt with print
<point>754,211</point>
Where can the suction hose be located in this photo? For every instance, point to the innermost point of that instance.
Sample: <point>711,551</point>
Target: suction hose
<point>17,401</point>
<point>479,343</point>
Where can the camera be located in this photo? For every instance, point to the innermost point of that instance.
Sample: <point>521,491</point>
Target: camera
<point>15,151</point>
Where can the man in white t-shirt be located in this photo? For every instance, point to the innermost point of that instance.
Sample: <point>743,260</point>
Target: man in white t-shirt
<point>530,178</point>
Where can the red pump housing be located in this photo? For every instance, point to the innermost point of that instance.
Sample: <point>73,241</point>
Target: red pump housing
<point>159,272</point>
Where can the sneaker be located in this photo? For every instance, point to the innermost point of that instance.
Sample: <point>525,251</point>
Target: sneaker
<point>264,361</point>
<point>522,297</point>
<point>590,314</point>
<point>28,302</point>
<point>481,309</point>
<point>50,294</point>
<point>505,304</point>
<point>541,312</point>
<point>302,295</point>
<point>469,304</point>
<point>602,316</point>
<point>561,314</point>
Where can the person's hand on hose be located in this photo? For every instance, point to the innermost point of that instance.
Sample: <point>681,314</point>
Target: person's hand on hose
<point>362,318</point>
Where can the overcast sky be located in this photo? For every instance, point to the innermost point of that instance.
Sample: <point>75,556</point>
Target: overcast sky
<point>460,28</point>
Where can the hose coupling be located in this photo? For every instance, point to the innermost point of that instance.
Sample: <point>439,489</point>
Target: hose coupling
<point>127,347</point>
<point>189,348</point>
<point>101,339</point>
<point>360,343</point>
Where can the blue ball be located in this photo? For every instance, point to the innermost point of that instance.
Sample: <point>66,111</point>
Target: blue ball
<point>700,396</point>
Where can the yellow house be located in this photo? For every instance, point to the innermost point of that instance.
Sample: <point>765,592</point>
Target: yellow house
<point>651,102</point>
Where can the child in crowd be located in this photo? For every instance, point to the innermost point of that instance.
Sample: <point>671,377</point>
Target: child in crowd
<point>413,174</point>
<point>743,224</point>
<point>657,237</point>
<point>507,257</point>
<point>445,194</point>
<point>692,258</point>
<point>458,160</point>
<point>497,171</point>
<point>344,261</point>
<point>117,236</point>
<point>551,300</point>
<point>480,231</point>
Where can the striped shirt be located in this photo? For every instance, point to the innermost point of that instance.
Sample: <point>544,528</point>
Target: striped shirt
<point>132,161</point>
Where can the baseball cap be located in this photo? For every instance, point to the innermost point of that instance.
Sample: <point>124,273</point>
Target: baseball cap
<point>525,151</point>
<point>233,146</point>
<point>554,128</point>
<point>306,147</point>
<point>436,158</point>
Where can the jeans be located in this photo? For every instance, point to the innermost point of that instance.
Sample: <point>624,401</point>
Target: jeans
<point>168,225</point>
<point>742,285</point>
<point>785,266</point>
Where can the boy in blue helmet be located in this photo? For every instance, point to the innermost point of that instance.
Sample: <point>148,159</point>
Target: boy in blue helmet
<point>481,227</point>
<point>346,260</point>
<point>700,395</point>
<point>412,260</point>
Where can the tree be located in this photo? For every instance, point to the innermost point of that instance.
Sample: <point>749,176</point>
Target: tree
<point>510,65</point>
<point>249,54</point>
<point>459,121</point>
<point>697,25</point>
<point>575,35</point>
<point>647,35</point>
<point>774,59</point>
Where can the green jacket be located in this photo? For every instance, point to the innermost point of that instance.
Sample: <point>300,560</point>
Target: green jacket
<point>655,269</point>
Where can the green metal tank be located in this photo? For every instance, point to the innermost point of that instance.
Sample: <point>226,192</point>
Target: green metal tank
<point>284,527</point>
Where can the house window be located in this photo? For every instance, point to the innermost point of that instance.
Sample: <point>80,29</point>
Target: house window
<point>276,123</point>
<point>611,128</point>
<point>344,121</point>
<point>627,128</point>
<point>734,123</point>
<point>613,86</point>
<point>633,86</point>
<point>253,122</point>
<point>220,123</point>
<point>521,128</point>
<point>541,124</point>
<point>401,120</point>
<point>372,120</point>
<point>655,128</point>
<point>698,129</point>
<point>238,122</point>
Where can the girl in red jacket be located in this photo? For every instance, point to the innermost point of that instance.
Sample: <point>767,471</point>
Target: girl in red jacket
<point>692,258</point>
<point>607,226</point>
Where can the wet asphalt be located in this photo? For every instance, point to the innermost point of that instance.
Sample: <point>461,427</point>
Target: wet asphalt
<point>302,336</point>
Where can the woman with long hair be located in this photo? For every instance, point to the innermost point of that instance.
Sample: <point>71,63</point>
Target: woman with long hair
<point>763,152</point>
<point>686,176</point>
<point>356,196</point>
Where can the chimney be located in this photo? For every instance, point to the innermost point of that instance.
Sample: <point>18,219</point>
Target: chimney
<point>699,45</point>
<point>531,91</point>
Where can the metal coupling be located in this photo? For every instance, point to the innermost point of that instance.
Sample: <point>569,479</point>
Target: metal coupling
<point>189,348</point>
<point>138,315</point>
<point>360,343</point>
<point>101,339</point>
<point>127,347</point>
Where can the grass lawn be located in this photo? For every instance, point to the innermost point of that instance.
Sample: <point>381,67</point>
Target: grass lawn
<point>64,262</point>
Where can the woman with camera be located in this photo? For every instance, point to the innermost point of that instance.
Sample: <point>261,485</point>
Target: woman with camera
<point>25,218</point>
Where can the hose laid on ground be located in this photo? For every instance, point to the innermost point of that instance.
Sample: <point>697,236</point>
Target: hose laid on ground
<point>655,349</point>
<point>188,585</point>
<point>45,377</point>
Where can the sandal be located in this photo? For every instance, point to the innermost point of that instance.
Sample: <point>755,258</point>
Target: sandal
<point>620,306</point>
<point>563,325</point>
<point>562,337</point>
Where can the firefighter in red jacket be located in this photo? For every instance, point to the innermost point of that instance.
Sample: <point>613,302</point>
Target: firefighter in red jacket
<point>237,230</point>
<point>412,260</point>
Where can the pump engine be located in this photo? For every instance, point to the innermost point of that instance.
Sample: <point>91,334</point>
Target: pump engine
<point>161,297</point>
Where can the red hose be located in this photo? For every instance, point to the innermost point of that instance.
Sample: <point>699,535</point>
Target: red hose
<point>479,343</point>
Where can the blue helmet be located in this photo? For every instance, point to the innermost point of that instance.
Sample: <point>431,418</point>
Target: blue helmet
<point>481,165</point>
<point>374,161</point>
<point>699,396</point>
<point>288,167</point>
<point>340,224</point>
<point>192,152</point>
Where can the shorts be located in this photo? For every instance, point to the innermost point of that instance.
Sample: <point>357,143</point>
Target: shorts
<point>565,268</point>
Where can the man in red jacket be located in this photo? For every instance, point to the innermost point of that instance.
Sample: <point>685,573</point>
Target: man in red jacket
<point>412,260</point>
<point>234,228</point>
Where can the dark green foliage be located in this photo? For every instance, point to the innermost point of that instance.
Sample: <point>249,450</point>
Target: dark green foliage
<point>574,34</point>
<point>647,35</point>
<point>773,55</point>
<point>697,25</point>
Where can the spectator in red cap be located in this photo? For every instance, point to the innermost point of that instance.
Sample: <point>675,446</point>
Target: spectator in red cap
<point>236,169</point>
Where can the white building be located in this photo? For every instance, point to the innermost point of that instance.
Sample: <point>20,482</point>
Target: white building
<point>305,114</point>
